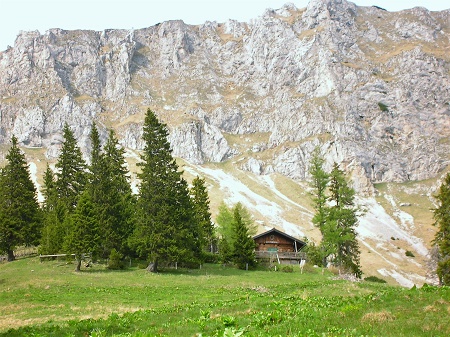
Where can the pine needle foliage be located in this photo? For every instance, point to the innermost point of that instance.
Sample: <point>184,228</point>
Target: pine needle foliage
<point>20,216</point>
<point>202,216</point>
<point>165,227</point>
<point>71,171</point>
<point>335,216</point>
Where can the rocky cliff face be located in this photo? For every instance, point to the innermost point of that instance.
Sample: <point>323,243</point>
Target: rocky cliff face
<point>372,88</point>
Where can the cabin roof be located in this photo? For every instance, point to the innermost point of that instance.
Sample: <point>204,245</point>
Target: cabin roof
<point>274,230</point>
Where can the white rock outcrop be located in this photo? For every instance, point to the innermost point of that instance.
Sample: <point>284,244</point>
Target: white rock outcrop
<point>370,87</point>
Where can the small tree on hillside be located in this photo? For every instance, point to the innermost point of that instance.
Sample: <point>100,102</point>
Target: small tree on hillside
<point>442,237</point>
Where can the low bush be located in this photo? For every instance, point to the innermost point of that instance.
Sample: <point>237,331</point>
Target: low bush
<point>409,253</point>
<point>115,261</point>
<point>374,279</point>
<point>287,269</point>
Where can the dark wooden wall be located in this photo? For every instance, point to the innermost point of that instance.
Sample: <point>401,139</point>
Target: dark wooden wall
<point>273,240</point>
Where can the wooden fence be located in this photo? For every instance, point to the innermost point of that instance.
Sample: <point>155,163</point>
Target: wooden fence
<point>21,252</point>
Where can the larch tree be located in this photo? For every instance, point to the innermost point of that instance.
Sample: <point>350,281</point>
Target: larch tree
<point>20,216</point>
<point>225,220</point>
<point>164,229</point>
<point>243,244</point>
<point>442,236</point>
<point>335,216</point>
<point>341,223</point>
<point>319,183</point>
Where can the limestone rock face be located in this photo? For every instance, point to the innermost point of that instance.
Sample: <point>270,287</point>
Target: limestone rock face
<point>370,87</point>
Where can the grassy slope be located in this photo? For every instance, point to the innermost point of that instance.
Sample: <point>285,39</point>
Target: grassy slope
<point>50,299</point>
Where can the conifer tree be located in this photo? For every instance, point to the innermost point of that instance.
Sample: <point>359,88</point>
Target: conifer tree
<point>71,175</point>
<point>319,185</point>
<point>53,216</point>
<point>119,202</point>
<point>341,223</point>
<point>202,214</point>
<point>164,226</point>
<point>224,220</point>
<point>335,216</point>
<point>243,245</point>
<point>442,237</point>
<point>95,175</point>
<point>82,237</point>
<point>20,217</point>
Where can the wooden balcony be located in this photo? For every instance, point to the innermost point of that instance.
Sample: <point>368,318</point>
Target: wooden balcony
<point>280,256</point>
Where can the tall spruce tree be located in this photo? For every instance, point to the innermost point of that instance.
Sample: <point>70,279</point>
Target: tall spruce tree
<point>164,227</point>
<point>442,237</point>
<point>20,216</point>
<point>119,202</point>
<point>95,174</point>
<point>71,171</point>
<point>96,187</point>
<point>83,235</point>
<point>202,214</point>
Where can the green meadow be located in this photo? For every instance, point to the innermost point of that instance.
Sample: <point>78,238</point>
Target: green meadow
<point>51,299</point>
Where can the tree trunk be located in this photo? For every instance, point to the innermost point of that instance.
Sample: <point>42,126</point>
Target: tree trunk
<point>78,265</point>
<point>153,266</point>
<point>11,256</point>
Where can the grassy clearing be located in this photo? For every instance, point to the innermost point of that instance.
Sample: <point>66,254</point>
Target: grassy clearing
<point>50,299</point>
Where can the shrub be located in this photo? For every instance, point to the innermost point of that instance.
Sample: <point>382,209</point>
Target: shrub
<point>314,253</point>
<point>383,107</point>
<point>115,260</point>
<point>409,253</point>
<point>287,269</point>
<point>443,271</point>
<point>374,279</point>
<point>211,257</point>
<point>142,265</point>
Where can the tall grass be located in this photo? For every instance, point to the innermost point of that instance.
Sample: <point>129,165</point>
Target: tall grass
<point>50,299</point>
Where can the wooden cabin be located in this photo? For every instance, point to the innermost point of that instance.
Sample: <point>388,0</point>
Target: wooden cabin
<point>275,244</point>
